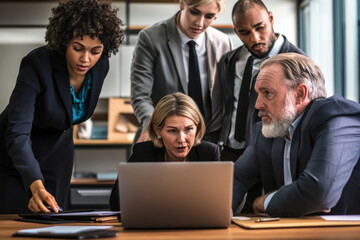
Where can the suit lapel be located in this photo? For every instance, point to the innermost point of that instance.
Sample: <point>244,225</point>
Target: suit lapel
<point>174,44</point>
<point>62,81</point>
<point>294,152</point>
<point>96,85</point>
<point>295,144</point>
<point>277,157</point>
<point>210,53</point>
<point>160,154</point>
<point>230,74</point>
<point>193,155</point>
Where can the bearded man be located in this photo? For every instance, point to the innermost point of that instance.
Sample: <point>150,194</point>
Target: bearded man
<point>233,95</point>
<point>306,150</point>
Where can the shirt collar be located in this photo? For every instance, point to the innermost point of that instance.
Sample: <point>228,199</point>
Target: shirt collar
<point>274,51</point>
<point>294,125</point>
<point>184,39</point>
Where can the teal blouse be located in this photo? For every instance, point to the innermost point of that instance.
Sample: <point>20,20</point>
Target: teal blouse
<point>79,99</point>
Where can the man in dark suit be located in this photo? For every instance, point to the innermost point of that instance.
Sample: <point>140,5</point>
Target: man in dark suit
<point>253,24</point>
<point>306,150</point>
<point>233,98</point>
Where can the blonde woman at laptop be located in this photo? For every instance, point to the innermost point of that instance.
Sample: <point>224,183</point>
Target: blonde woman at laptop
<point>176,128</point>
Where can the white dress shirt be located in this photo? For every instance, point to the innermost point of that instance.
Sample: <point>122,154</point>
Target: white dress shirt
<point>239,72</point>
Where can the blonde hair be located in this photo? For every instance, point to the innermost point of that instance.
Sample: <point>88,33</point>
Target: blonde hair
<point>194,3</point>
<point>297,69</point>
<point>175,104</point>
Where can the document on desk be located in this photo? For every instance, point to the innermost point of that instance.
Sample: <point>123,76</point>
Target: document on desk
<point>85,213</point>
<point>71,216</point>
<point>309,221</point>
<point>78,232</point>
<point>341,217</point>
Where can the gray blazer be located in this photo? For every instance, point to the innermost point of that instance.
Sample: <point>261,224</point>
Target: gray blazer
<point>324,163</point>
<point>158,69</point>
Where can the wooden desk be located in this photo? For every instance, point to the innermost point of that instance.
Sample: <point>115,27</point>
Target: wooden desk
<point>8,226</point>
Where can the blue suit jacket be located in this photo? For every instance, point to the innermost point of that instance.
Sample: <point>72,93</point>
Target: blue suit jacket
<point>36,128</point>
<point>147,152</point>
<point>324,162</point>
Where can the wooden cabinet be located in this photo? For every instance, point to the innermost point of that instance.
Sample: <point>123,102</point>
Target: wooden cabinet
<point>121,123</point>
<point>94,192</point>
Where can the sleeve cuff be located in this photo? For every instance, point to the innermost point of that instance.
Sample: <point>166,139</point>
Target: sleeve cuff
<point>267,200</point>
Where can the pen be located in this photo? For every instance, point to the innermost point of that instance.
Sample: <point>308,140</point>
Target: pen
<point>59,209</point>
<point>267,219</point>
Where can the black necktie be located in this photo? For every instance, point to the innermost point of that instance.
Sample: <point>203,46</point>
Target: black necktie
<point>243,102</point>
<point>194,77</point>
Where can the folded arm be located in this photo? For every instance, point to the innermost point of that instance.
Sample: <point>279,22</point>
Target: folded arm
<point>320,185</point>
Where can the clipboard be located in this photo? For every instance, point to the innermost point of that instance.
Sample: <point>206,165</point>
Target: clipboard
<point>310,221</point>
<point>73,232</point>
<point>71,217</point>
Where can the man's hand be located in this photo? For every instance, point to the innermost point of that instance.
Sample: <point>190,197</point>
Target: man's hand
<point>39,196</point>
<point>144,136</point>
<point>258,206</point>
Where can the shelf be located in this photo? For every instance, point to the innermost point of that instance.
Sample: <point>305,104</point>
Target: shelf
<point>91,181</point>
<point>128,139</point>
<point>119,114</point>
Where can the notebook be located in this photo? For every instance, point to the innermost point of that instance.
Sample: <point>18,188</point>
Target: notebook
<point>176,194</point>
<point>77,232</point>
<point>70,216</point>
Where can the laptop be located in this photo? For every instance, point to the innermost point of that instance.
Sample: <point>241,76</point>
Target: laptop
<point>175,194</point>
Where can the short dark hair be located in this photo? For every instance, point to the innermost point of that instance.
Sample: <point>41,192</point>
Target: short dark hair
<point>77,18</point>
<point>242,6</point>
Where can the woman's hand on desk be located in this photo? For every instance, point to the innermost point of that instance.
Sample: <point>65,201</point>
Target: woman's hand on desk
<point>39,196</point>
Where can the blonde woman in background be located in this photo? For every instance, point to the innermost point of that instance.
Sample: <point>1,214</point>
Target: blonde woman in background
<point>161,58</point>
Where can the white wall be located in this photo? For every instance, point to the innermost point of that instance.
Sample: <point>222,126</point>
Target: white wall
<point>21,40</point>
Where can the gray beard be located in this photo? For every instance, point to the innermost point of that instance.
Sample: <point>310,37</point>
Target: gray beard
<point>280,128</point>
<point>276,129</point>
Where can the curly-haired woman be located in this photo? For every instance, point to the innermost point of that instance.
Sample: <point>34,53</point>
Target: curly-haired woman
<point>58,85</point>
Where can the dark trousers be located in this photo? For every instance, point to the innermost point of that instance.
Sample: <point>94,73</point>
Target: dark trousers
<point>230,154</point>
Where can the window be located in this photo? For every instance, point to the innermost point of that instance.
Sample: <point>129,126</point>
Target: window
<point>329,34</point>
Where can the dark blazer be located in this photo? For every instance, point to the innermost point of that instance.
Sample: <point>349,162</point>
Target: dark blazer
<point>223,96</point>
<point>324,163</point>
<point>147,152</point>
<point>36,129</point>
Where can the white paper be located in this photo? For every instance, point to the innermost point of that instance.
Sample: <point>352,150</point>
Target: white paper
<point>341,217</point>
<point>63,229</point>
<point>242,218</point>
